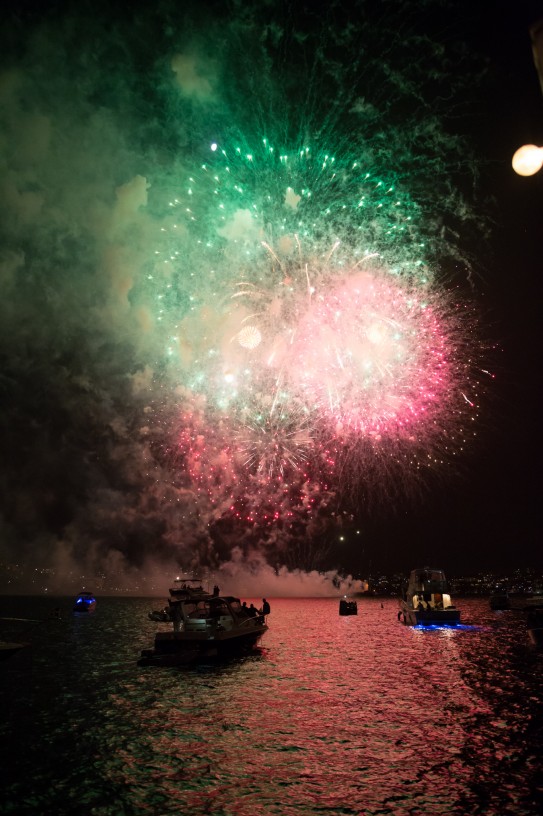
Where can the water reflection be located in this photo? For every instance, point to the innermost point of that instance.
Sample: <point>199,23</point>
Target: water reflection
<point>333,714</point>
<point>432,627</point>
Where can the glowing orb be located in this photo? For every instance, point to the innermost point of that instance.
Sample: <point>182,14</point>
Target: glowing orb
<point>528,160</point>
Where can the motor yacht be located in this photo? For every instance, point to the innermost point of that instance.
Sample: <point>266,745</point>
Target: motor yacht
<point>201,625</point>
<point>426,601</point>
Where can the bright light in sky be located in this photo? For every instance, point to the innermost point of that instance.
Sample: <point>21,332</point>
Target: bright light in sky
<point>527,160</point>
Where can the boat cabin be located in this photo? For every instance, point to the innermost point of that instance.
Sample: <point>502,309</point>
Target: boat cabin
<point>197,613</point>
<point>187,587</point>
<point>427,589</point>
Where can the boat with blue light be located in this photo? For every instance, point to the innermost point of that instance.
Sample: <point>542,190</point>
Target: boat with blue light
<point>205,625</point>
<point>85,603</point>
<point>426,600</point>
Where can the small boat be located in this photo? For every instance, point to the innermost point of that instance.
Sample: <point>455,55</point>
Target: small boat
<point>159,615</point>
<point>8,648</point>
<point>534,623</point>
<point>348,607</point>
<point>534,601</point>
<point>426,600</point>
<point>205,625</point>
<point>500,600</point>
<point>85,603</point>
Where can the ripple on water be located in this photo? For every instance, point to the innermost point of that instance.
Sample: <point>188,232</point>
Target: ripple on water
<point>332,715</point>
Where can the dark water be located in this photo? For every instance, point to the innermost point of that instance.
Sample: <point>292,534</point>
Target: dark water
<point>334,715</point>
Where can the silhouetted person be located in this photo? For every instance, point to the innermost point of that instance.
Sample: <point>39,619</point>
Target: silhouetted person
<point>176,617</point>
<point>215,590</point>
<point>266,609</point>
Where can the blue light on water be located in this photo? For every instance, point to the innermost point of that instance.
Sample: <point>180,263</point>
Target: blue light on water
<point>464,627</point>
<point>85,602</point>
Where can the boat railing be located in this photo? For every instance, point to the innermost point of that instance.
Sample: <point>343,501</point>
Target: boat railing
<point>254,620</point>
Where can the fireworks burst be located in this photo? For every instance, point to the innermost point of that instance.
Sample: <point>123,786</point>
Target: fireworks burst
<point>236,245</point>
<point>278,442</point>
<point>320,339</point>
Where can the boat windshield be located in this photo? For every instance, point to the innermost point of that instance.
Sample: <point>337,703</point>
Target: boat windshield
<point>429,576</point>
<point>206,609</point>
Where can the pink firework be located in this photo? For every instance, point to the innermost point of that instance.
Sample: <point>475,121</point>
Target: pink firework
<point>381,360</point>
<point>206,457</point>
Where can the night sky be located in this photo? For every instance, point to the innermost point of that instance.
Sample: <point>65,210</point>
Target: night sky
<point>104,115</point>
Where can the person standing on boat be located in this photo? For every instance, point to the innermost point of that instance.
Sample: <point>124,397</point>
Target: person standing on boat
<point>176,617</point>
<point>266,609</point>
